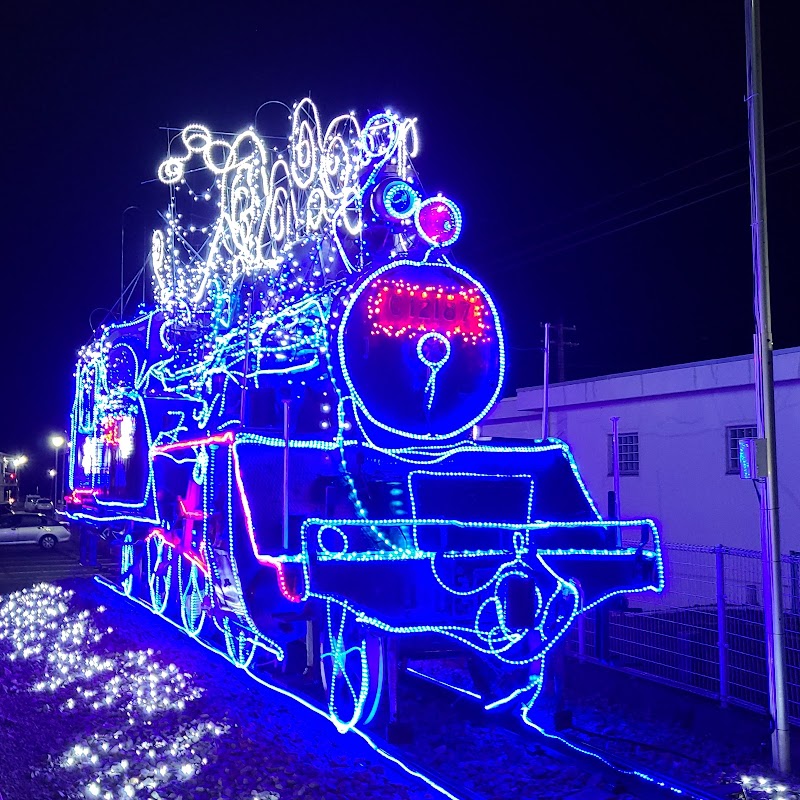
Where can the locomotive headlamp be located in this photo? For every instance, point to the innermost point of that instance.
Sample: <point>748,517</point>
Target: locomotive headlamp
<point>394,199</point>
<point>438,221</point>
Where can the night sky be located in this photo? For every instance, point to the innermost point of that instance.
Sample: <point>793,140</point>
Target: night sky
<point>583,141</point>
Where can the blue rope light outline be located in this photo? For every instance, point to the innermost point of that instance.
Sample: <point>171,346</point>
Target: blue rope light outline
<point>343,354</point>
<point>393,188</point>
<point>433,366</point>
<point>455,632</point>
<point>302,701</point>
<point>524,710</point>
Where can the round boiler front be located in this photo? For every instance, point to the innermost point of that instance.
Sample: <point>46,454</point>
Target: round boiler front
<point>421,350</point>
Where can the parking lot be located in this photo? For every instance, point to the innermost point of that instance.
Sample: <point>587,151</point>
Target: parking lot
<point>23,565</point>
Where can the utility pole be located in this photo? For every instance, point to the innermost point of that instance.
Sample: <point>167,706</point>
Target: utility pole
<point>546,384</point>
<point>561,343</point>
<point>122,261</point>
<point>765,399</point>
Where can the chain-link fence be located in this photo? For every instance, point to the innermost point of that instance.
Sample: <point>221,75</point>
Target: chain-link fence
<point>705,632</point>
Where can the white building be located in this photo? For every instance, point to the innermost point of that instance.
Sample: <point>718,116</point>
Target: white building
<point>679,430</point>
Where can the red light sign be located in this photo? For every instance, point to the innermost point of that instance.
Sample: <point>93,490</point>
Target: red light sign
<point>398,307</point>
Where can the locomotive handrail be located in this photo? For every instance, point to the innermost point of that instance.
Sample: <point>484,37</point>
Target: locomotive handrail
<point>539,523</point>
<point>536,525</point>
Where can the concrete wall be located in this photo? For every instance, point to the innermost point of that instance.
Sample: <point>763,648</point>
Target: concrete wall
<point>681,414</point>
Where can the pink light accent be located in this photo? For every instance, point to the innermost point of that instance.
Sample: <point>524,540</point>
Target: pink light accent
<point>179,549</point>
<point>217,438</point>
<point>267,560</point>
<point>438,220</point>
<point>186,513</point>
<point>77,495</point>
<point>190,512</point>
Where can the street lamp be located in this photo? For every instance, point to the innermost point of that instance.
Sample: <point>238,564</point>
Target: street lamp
<point>19,461</point>
<point>58,441</point>
<point>53,473</point>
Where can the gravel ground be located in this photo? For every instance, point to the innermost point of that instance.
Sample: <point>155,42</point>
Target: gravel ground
<point>676,733</point>
<point>466,745</point>
<point>673,733</point>
<point>231,739</point>
<point>195,727</point>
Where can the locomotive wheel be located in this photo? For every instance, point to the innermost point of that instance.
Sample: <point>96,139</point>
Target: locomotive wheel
<point>240,643</point>
<point>351,662</point>
<point>159,573</point>
<point>193,589</point>
<point>126,564</point>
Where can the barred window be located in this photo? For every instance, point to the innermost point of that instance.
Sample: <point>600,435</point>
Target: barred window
<point>628,454</point>
<point>733,434</point>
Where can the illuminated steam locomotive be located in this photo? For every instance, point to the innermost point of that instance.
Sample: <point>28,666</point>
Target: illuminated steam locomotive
<point>284,441</point>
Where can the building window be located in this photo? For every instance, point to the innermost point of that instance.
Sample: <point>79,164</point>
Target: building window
<point>628,454</point>
<point>733,435</point>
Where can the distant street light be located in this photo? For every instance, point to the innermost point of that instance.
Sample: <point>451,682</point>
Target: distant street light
<point>52,473</point>
<point>58,441</point>
<point>18,461</point>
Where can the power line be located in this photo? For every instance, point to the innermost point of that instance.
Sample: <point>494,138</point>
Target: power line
<point>557,239</point>
<point>539,257</point>
<point>548,243</point>
<point>650,181</point>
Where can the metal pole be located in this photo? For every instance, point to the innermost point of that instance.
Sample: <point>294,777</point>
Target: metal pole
<point>122,266</point>
<point>615,459</point>
<point>246,365</point>
<point>722,628</point>
<point>615,462</point>
<point>122,260</point>
<point>770,522</point>
<point>64,472</point>
<point>391,681</point>
<point>546,383</point>
<point>286,404</point>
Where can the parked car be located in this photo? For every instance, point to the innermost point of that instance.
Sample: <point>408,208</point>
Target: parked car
<point>43,505</point>
<point>31,528</point>
<point>30,502</point>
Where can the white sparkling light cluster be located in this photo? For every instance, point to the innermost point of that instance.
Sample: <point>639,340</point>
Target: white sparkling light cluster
<point>39,626</point>
<point>268,199</point>
<point>118,766</point>
<point>31,619</point>
<point>139,684</point>
<point>758,786</point>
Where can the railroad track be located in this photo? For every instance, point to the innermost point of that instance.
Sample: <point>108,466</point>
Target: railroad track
<point>620,774</point>
<point>608,774</point>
